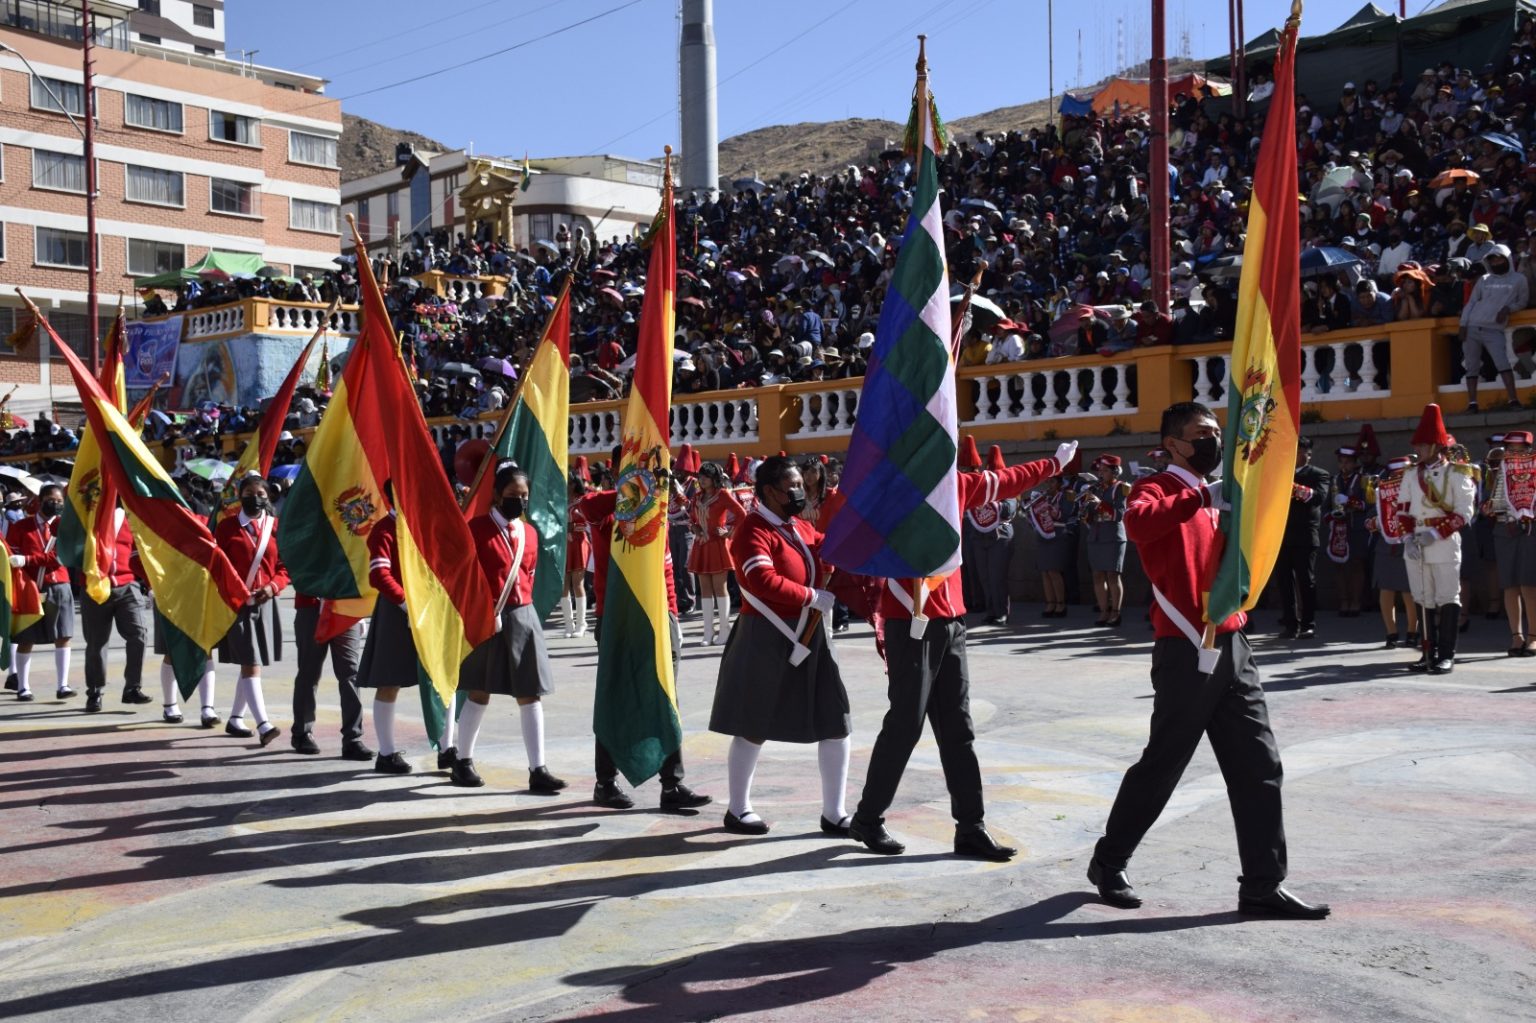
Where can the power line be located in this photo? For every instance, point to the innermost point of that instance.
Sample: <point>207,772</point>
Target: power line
<point>498,53</point>
<point>451,41</point>
<point>397,35</point>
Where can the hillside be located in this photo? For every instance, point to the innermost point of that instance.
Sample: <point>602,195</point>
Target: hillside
<point>368,147</point>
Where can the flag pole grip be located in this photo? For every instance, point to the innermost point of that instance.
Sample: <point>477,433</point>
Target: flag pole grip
<point>1209,656</point>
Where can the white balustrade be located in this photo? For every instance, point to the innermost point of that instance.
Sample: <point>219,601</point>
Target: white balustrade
<point>463,289</point>
<point>1031,394</point>
<point>829,413</point>
<point>717,421</point>
<point>1328,377</point>
<point>226,319</point>
<point>306,318</point>
<point>594,432</point>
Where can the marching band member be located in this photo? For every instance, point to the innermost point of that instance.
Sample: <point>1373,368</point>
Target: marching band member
<point>513,662</point>
<point>33,542</point>
<point>1102,506</point>
<point>925,659</point>
<point>127,608</point>
<point>715,514</point>
<point>1053,514</point>
<point>776,682</point>
<point>1348,544</point>
<point>989,528</point>
<point>1388,564</point>
<point>249,540</point>
<point>578,550</point>
<point>679,519</point>
<point>1510,508</point>
<point>1438,498</point>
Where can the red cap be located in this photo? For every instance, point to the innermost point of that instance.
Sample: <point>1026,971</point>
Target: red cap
<point>1431,428</point>
<point>684,461</point>
<point>995,459</point>
<point>1157,453</point>
<point>1107,460</point>
<point>970,457</point>
<point>1518,437</point>
<point>823,459</point>
<point>732,466</point>
<point>1366,442</point>
<point>581,469</point>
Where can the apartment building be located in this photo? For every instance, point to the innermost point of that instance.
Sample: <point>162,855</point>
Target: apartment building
<point>193,153</point>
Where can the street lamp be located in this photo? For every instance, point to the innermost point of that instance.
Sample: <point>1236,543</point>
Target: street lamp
<point>89,151</point>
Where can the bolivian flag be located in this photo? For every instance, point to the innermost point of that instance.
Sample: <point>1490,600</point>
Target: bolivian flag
<point>537,438</point>
<point>86,532</point>
<point>196,589</point>
<point>23,603</point>
<point>1264,369</point>
<point>635,711</point>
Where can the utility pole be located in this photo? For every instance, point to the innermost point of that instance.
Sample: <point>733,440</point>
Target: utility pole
<point>1158,170</point>
<point>88,28</point>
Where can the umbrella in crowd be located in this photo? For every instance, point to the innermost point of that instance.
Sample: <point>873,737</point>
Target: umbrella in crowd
<point>749,184</point>
<point>1503,141</point>
<point>13,472</point>
<point>285,473</point>
<point>978,204</point>
<point>491,364</point>
<point>611,295</point>
<point>1335,187</point>
<point>789,262</point>
<point>1447,178</point>
<point>1326,259</point>
<point>457,369</point>
<point>548,246</point>
<point>817,256</point>
<point>408,282</point>
<point>603,273</point>
<point>705,243</point>
<point>1224,267</point>
<point>984,311</point>
<point>211,469</point>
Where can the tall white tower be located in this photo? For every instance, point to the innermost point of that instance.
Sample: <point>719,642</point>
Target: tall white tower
<point>701,129</point>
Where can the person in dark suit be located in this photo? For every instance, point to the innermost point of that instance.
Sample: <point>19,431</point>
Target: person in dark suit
<point>1172,518</point>
<point>1296,572</point>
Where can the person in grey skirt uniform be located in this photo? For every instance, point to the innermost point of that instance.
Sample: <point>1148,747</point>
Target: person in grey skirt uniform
<point>514,661</point>
<point>34,550</point>
<point>249,540</point>
<point>126,607</point>
<point>1053,516</point>
<point>1102,507</point>
<point>1514,546</point>
<point>987,545</point>
<point>778,679</point>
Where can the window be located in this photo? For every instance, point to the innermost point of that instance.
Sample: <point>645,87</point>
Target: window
<point>145,257</point>
<point>304,215</point>
<point>232,197</point>
<point>62,248</point>
<point>149,6</point>
<point>145,37</point>
<point>59,171</point>
<point>74,330</point>
<point>244,131</point>
<point>203,51</point>
<point>151,184</point>
<point>202,16</point>
<point>2,242</point>
<point>59,96</point>
<point>159,114</point>
<point>317,150</point>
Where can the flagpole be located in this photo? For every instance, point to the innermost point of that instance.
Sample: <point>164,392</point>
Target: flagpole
<point>517,394</point>
<point>965,307</point>
<point>920,93</point>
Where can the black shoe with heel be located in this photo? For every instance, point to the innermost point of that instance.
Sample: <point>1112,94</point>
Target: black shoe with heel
<point>1114,887</point>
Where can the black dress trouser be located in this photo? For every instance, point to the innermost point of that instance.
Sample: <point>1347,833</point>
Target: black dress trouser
<point>346,651</point>
<point>1228,707</point>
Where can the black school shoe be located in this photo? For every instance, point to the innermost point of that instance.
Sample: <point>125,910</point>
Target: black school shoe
<point>544,783</point>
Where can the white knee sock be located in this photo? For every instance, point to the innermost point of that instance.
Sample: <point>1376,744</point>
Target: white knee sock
<point>205,688</point>
<point>241,701</point>
<point>257,701</point>
<point>469,727</point>
<point>581,614</point>
<point>740,766</point>
<point>23,673</point>
<point>722,618</point>
<point>61,664</point>
<point>567,607</point>
<point>384,726</point>
<point>832,754</point>
<point>449,737</point>
<point>171,696</point>
<point>707,605</point>
<point>532,715</point>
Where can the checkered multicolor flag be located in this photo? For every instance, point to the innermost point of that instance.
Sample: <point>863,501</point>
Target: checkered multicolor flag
<point>902,519</point>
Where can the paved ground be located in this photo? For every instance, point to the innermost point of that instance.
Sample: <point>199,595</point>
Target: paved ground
<point>167,873</point>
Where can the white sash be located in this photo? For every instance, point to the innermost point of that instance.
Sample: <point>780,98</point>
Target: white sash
<point>261,550</point>
<point>1208,659</point>
<point>798,650</point>
<point>919,623</point>
<point>517,566</point>
<point>47,549</point>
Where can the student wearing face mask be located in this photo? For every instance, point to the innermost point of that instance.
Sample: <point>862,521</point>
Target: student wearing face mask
<point>513,662</point>
<point>34,550</point>
<point>777,680</point>
<point>249,540</point>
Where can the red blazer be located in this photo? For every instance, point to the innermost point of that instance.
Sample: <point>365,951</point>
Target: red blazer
<point>238,542</point>
<point>493,547</point>
<point>29,537</point>
<point>976,489</point>
<point>1170,520</point>
<point>722,512</point>
<point>597,509</point>
<point>775,569</point>
<point>383,572</point>
<point>125,566</point>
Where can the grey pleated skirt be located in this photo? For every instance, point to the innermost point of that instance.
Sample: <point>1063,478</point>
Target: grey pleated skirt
<point>1106,555</point>
<point>389,654</point>
<point>759,696</point>
<point>255,638</point>
<point>513,662</point>
<point>58,621</point>
<point>1515,553</point>
<point>1058,555</point>
<point>1390,568</point>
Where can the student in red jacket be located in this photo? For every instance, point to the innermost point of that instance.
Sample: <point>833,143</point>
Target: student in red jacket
<point>127,608</point>
<point>929,681</point>
<point>249,540</point>
<point>34,550</point>
<point>513,662</point>
<point>1172,518</point>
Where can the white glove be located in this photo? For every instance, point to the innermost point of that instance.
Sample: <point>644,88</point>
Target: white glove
<point>823,601</point>
<point>1064,453</point>
<point>1425,535</point>
<point>1217,489</point>
<point>18,560</point>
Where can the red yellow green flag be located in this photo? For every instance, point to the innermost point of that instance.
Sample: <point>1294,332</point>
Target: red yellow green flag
<point>197,590</point>
<point>635,712</point>
<point>86,527</point>
<point>536,436</point>
<point>1264,369</point>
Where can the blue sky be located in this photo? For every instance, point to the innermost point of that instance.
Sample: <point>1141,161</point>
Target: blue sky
<point>610,85</point>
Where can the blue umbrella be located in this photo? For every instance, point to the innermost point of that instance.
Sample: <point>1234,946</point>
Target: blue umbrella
<point>1326,260</point>
<point>1503,141</point>
<point>286,473</point>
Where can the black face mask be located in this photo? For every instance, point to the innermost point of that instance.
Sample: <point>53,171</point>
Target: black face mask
<point>794,502</point>
<point>51,509</point>
<point>253,505</point>
<point>1206,458</point>
<point>511,508</point>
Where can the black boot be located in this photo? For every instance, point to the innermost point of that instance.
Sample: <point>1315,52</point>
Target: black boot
<point>1427,643</point>
<point>1445,651</point>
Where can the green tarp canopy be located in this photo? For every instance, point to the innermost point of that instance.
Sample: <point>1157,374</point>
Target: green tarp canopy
<point>236,264</point>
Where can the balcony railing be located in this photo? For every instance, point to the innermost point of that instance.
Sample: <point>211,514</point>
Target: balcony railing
<point>1367,373</point>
